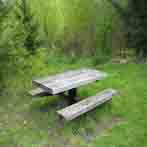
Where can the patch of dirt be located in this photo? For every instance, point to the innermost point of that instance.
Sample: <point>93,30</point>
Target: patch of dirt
<point>57,128</point>
<point>102,126</point>
<point>88,135</point>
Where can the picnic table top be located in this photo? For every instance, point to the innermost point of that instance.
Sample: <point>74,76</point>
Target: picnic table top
<point>68,80</point>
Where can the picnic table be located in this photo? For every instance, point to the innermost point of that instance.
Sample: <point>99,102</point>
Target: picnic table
<point>68,82</point>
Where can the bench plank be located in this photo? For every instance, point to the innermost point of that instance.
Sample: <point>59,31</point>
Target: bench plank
<point>69,80</point>
<point>38,92</point>
<point>75,110</point>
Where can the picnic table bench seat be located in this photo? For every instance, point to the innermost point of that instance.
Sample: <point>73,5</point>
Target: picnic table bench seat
<point>38,92</point>
<point>77,109</point>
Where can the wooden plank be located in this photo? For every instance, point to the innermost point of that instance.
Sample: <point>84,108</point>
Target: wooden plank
<point>69,80</point>
<point>67,74</point>
<point>75,110</point>
<point>57,76</point>
<point>38,92</point>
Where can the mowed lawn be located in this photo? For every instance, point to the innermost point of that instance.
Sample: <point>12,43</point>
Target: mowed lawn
<point>33,122</point>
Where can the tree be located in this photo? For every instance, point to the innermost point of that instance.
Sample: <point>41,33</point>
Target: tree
<point>26,19</point>
<point>134,17</point>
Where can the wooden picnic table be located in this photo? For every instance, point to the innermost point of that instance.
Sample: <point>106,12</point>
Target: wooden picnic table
<point>69,81</point>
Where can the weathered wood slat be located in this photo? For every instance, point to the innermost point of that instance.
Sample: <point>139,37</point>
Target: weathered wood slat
<point>75,110</point>
<point>67,74</point>
<point>57,76</point>
<point>69,80</point>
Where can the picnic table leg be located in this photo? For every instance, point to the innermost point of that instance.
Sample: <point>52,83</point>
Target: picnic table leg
<point>72,95</point>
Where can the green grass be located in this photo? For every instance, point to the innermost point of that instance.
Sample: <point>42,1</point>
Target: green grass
<point>33,122</point>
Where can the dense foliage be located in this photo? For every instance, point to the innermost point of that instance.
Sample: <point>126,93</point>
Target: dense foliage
<point>137,30</point>
<point>134,16</point>
<point>75,28</point>
<point>70,25</point>
<point>24,15</point>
